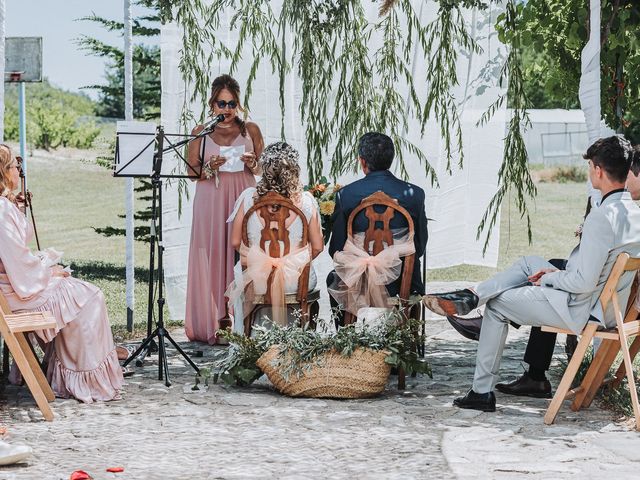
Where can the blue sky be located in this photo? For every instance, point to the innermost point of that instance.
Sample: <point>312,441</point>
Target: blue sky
<point>55,21</point>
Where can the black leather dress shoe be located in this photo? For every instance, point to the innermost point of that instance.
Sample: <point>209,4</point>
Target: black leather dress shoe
<point>525,386</point>
<point>459,302</point>
<point>467,327</point>
<point>485,402</point>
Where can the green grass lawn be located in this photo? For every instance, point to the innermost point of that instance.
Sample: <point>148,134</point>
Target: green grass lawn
<point>72,195</point>
<point>555,214</point>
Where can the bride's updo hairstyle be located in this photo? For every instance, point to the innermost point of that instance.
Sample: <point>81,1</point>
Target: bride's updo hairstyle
<point>280,171</point>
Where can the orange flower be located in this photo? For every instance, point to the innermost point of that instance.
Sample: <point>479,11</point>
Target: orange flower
<point>321,188</point>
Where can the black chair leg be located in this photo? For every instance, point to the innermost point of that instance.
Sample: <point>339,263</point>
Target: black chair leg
<point>5,360</point>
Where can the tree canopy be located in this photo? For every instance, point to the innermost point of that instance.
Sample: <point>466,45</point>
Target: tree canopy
<point>146,70</point>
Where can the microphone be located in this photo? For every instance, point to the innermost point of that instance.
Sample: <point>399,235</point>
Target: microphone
<point>211,124</point>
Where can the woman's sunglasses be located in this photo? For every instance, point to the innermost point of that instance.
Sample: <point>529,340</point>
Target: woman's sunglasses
<point>222,104</point>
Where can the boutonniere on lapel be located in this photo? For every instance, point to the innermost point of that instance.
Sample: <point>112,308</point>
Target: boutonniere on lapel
<point>578,232</point>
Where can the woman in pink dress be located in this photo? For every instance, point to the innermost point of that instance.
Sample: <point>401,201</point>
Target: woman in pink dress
<point>230,162</point>
<point>82,358</point>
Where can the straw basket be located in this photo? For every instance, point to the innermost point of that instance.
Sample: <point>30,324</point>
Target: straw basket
<point>363,374</point>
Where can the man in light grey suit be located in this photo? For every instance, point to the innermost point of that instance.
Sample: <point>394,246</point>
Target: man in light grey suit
<point>533,292</point>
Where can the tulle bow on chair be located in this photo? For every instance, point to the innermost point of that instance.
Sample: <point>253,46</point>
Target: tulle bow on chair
<point>363,277</point>
<point>259,266</point>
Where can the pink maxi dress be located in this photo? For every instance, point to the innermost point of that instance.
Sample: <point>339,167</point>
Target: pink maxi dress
<point>211,256</point>
<point>82,358</point>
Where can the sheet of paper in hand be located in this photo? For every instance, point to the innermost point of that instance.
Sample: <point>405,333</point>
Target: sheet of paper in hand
<point>232,154</point>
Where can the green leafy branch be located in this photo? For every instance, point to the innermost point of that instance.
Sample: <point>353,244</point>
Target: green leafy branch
<point>513,175</point>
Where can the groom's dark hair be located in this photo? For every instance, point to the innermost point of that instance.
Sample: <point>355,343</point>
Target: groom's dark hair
<point>377,151</point>
<point>613,155</point>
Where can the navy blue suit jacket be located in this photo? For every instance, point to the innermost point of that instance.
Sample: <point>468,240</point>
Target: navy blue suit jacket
<point>409,196</point>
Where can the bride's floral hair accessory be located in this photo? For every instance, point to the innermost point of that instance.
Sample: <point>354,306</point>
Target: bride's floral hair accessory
<point>280,171</point>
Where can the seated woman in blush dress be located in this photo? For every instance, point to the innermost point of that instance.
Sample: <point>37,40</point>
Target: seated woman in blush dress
<point>280,174</point>
<point>82,358</point>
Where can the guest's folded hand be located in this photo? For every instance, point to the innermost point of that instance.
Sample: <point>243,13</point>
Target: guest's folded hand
<point>59,271</point>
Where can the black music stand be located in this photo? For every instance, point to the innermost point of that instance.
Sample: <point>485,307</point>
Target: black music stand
<point>148,345</point>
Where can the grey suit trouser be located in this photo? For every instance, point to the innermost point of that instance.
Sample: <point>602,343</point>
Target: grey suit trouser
<point>508,297</point>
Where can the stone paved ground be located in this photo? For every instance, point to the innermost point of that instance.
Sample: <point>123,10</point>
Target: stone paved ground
<point>156,432</point>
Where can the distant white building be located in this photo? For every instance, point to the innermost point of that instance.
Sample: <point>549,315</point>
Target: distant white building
<point>558,137</point>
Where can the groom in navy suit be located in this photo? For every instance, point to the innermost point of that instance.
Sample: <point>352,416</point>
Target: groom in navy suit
<point>375,154</point>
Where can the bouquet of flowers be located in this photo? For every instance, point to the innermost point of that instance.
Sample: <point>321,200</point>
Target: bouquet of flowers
<point>325,195</point>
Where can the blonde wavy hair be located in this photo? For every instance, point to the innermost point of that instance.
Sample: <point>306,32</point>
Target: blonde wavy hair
<point>6,159</point>
<point>280,171</point>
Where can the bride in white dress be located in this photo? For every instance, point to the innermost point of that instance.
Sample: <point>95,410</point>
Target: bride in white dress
<point>281,174</point>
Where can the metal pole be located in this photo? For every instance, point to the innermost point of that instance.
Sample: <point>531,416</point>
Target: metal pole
<point>129,193</point>
<point>23,129</point>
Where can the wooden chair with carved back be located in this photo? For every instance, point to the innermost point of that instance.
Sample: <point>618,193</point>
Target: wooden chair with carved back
<point>379,235</point>
<point>274,210</point>
<point>13,328</point>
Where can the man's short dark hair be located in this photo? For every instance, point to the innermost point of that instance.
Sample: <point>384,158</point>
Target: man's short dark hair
<point>635,160</point>
<point>377,151</point>
<point>613,155</point>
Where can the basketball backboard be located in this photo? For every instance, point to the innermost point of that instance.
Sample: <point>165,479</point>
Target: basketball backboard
<point>23,59</point>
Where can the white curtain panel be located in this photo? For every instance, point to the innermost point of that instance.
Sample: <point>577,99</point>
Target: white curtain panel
<point>590,86</point>
<point>456,207</point>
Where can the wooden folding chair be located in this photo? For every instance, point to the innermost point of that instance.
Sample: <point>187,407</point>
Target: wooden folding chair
<point>13,328</point>
<point>274,209</point>
<point>613,340</point>
<point>379,234</point>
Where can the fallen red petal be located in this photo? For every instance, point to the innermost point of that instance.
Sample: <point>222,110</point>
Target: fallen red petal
<point>80,475</point>
<point>115,469</point>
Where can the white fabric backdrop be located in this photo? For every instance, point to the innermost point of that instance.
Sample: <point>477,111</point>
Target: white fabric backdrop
<point>456,207</point>
<point>589,92</point>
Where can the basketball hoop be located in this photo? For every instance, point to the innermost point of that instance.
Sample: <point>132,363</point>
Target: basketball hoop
<point>13,77</point>
<point>23,59</point>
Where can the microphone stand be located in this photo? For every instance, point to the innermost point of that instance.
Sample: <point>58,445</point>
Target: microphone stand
<point>156,243</point>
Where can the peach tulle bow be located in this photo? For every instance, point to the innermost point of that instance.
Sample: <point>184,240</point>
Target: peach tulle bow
<point>259,265</point>
<point>363,277</point>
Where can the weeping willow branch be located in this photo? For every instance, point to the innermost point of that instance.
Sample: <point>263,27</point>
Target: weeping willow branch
<point>200,47</point>
<point>513,175</point>
<point>346,88</point>
<point>442,39</point>
<point>255,18</point>
<point>317,32</point>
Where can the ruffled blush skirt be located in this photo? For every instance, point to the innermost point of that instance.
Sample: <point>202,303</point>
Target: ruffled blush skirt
<point>82,359</point>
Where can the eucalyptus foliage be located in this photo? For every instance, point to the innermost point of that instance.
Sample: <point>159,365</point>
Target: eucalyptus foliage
<point>301,348</point>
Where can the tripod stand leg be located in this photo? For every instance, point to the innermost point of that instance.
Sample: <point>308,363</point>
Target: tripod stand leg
<point>163,370</point>
<point>144,346</point>
<point>182,352</point>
